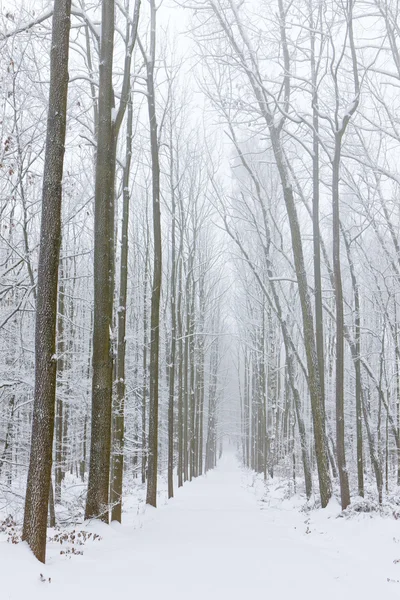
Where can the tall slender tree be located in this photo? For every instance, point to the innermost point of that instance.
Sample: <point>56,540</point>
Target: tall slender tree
<point>149,59</point>
<point>99,470</point>
<point>119,410</point>
<point>340,129</point>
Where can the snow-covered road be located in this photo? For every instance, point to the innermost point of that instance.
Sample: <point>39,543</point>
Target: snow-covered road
<point>214,541</point>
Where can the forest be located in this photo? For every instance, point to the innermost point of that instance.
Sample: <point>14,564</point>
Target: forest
<point>199,248</point>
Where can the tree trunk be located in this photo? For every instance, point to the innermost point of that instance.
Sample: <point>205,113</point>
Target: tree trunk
<point>211,444</point>
<point>318,413</point>
<point>97,501</point>
<point>157,274</point>
<point>145,361</point>
<point>319,322</point>
<point>172,356</point>
<point>119,412</point>
<point>39,474</point>
<point>357,368</point>
<point>340,429</point>
<point>192,395</point>
<point>180,376</point>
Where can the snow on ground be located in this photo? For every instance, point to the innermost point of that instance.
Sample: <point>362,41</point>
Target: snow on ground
<point>215,540</point>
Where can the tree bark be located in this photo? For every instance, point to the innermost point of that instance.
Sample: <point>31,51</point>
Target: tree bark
<point>151,497</point>
<point>357,367</point>
<point>340,431</point>
<point>97,501</point>
<point>172,356</point>
<point>119,413</point>
<point>39,474</point>
<point>319,322</point>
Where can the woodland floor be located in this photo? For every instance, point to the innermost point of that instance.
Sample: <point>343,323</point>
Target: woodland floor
<point>217,540</point>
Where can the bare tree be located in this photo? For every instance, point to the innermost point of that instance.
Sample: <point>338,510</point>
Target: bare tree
<point>98,484</point>
<point>149,58</point>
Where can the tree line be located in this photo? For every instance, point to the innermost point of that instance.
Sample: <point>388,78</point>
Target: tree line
<point>305,93</point>
<point>89,413</point>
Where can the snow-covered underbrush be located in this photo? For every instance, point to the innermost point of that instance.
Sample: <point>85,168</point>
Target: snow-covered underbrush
<point>71,534</point>
<point>280,492</point>
<point>249,537</point>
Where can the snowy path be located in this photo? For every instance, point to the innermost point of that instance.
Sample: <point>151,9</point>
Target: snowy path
<point>213,541</point>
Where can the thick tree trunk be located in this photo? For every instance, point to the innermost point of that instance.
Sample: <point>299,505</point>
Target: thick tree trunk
<point>39,474</point>
<point>97,502</point>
